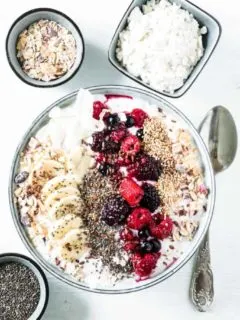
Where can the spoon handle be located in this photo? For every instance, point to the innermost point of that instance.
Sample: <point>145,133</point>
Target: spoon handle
<point>201,289</point>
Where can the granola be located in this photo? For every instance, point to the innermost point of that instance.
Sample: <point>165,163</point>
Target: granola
<point>46,50</point>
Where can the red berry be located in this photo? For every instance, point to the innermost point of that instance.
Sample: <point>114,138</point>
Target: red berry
<point>130,246</point>
<point>131,145</point>
<point>118,135</point>
<point>98,107</point>
<point>131,192</point>
<point>143,265</point>
<point>139,218</point>
<point>126,235</point>
<point>163,229</point>
<point>139,116</point>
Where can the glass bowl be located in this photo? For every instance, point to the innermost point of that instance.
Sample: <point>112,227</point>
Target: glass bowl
<point>129,285</point>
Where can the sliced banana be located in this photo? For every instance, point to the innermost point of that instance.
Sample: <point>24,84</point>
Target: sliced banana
<point>70,204</point>
<point>59,194</point>
<point>58,182</point>
<point>63,226</point>
<point>73,245</point>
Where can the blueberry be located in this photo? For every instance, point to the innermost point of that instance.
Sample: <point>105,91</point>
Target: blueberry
<point>140,134</point>
<point>145,247</point>
<point>130,122</point>
<point>112,120</point>
<point>156,245</point>
<point>144,233</point>
<point>104,168</point>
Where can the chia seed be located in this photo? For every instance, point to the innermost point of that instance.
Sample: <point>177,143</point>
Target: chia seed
<point>95,189</point>
<point>19,291</point>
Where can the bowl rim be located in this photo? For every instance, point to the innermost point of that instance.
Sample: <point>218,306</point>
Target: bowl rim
<point>43,262</point>
<point>49,84</point>
<point>22,257</point>
<point>184,88</point>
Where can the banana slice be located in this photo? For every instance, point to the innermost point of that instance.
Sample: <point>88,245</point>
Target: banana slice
<point>70,204</point>
<point>63,226</point>
<point>73,245</point>
<point>58,182</point>
<point>59,194</point>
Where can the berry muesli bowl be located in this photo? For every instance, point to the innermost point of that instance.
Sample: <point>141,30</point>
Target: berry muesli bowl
<point>112,189</point>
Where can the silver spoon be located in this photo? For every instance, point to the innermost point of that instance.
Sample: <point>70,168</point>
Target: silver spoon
<point>219,132</point>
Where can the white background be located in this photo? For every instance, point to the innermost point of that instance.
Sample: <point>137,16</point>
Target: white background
<point>219,83</point>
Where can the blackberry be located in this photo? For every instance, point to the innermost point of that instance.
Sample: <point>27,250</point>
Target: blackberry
<point>148,168</point>
<point>130,122</point>
<point>115,211</point>
<point>97,143</point>
<point>110,146</point>
<point>151,199</point>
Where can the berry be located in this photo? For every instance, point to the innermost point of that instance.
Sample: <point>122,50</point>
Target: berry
<point>130,122</point>
<point>98,138</point>
<point>143,265</point>
<point>104,168</point>
<point>139,218</point>
<point>151,199</point>
<point>145,247</point>
<point>130,246</point>
<point>131,145</point>
<point>147,168</point>
<point>98,107</point>
<point>140,134</point>
<point>144,233</point>
<point>111,120</point>
<point>157,217</point>
<point>139,117</point>
<point>126,235</point>
<point>110,146</point>
<point>156,245</point>
<point>131,192</point>
<point>115,211</point>
<point>163,229</point>
<point>118,135</point>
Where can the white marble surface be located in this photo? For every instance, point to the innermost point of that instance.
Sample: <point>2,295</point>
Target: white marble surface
<point>219,83</point>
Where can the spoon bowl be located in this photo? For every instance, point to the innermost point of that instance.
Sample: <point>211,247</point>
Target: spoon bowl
<point>219,132</point>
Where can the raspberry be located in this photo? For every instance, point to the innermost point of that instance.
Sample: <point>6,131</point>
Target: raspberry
<point>151,199</point>
<point>139,218</point>
<point>98,138</point>
<point>146,168</point>
<point>118,135</point>
<point>130,246</point>
<point>98,107</point>
<point>115,211</point>
<point>126,235</point>
<point>139,117</point>
<point>163,229</point>
<point>131,145</point>
<point>131,192</point>
<point>143,265</point>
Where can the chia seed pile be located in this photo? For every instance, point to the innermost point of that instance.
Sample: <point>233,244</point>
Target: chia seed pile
<point>19,291</point>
